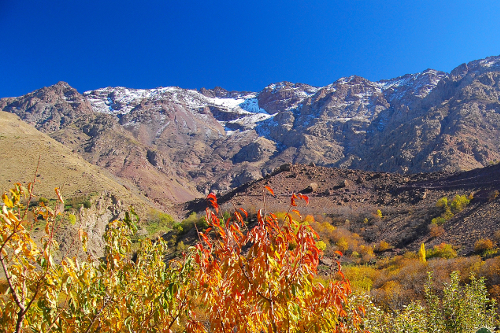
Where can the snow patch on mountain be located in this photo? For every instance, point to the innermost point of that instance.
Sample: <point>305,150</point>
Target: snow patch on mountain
<point>120,101</point>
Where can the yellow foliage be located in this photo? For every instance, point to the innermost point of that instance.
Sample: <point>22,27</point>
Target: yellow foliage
<point>383,246</point>
<point>421,253</point>
<point>342,244</point>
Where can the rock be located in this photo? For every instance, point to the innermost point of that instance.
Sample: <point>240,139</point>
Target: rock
<point>313,187</point>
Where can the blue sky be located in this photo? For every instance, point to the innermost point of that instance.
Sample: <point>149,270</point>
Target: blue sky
<point>233,44</point>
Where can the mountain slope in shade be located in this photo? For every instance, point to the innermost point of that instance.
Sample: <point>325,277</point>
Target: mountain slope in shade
<point>177,144</point>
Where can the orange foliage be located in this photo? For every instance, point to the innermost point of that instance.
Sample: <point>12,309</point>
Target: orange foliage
<point>483,245</point>
<point>436,230</point>
<point>268,287</point>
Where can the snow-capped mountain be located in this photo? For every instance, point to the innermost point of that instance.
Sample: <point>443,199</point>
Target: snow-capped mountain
<point>353,98</point>
<point>239,110</point>
<point>214,139</point>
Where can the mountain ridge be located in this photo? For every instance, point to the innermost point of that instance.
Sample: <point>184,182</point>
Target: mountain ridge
<point>212,140</point>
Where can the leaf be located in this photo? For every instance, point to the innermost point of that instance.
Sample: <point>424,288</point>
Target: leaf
<point>297,212</point>
<point>339,253</point>
<point>270,190</point>
<point>83,238</point>
<point>58,193</point>
<point>7,201</point>
<point>244,212</point>
<point>305,198</point>
<point>213,201</point>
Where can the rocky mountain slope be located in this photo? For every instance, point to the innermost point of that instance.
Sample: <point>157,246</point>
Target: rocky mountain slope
<point>351,198</point>
<point>176,144</point>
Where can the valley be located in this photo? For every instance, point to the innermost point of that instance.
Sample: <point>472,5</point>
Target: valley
<point>387,166</point>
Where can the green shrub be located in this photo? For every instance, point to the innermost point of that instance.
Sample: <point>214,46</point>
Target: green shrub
<point>438,221</point>
<point>442,250</point>
<point>449,209</point>
<point>77,202</point>
<point>459,203</point>
<point>442,203</point>
<point>159,222</point>
<point>460,309</point>
<point>177,227</point>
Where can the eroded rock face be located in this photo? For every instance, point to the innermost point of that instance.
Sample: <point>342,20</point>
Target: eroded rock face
<point>258,150</point>
<point>284,96</point>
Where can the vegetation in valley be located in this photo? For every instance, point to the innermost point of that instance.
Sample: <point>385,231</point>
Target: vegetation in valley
<point>257,272</point>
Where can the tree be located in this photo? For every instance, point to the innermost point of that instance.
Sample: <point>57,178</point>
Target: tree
<point>421,253</point>
<point>256,281</point>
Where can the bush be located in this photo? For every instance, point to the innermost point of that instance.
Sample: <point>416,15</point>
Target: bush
<point>482,245</point>
<point>459,203</point>
<point>321,245</point>
<point>383,246</point>
<point>493,195</point>
<point>460,309</point>
<point>436,230</point>
<point>442,203</point>
<point>237,290</point>
<point>438,221</point>
<point>72,219</point>
<point>342,244</point>
<point>158,223</point>
<point>442,250</point>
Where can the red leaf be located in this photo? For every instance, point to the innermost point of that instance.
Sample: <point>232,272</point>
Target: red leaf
<point>213,201</point>
<point>244,212</point>
<point>212,196</point>
<point>339,253</point>
<point>259,215</point>
<point>305,198</point>
<point>239,218</point>
<point>205,239</point>
<point>269,189</point>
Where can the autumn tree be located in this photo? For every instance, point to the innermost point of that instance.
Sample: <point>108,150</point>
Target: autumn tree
<point>256,281</point>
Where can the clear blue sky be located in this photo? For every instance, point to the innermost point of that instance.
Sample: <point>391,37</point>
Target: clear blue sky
<point>238,45</point>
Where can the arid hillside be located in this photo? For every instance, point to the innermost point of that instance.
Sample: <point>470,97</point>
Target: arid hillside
<point>351,198</point>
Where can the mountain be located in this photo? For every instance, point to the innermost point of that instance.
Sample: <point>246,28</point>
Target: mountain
<point>177,144</point>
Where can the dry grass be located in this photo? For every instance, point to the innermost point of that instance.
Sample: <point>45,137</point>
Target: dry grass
<point>22,146</point>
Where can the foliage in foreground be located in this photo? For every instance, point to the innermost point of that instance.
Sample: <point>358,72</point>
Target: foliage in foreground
<point>460,309</point>
<point>259,280</point>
